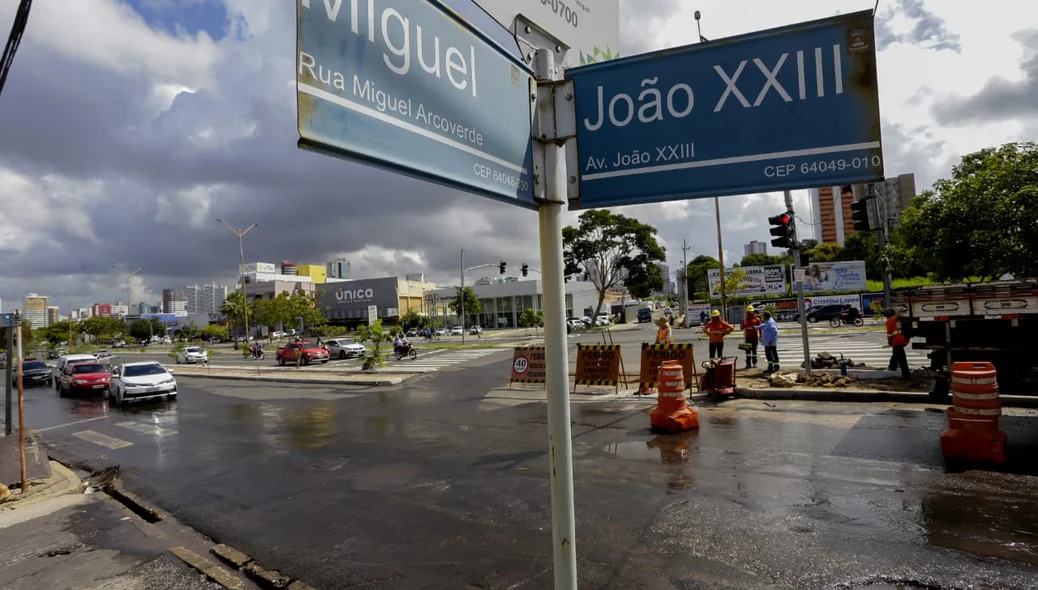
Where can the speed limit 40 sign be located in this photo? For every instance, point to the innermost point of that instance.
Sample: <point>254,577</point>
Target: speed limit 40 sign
<point>528,364</point>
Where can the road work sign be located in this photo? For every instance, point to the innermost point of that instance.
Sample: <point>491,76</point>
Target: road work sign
<point>528,365</point>
<point>598,364</point>
<point>788,108</point>
<point>654,354</point>
<point>410,85</point>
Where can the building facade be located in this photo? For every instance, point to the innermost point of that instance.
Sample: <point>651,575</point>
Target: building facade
<point>337,269</point>
<point>53,314</point>
<point>316,272</point>
<point>212,299</point>
<point>36,310</point>
<point>832,207</point>
<point>193,299</point>
<point>347,302</point>
<point>755,247</point>
<point>174,302</point>
<point>101,310</point>
<point>502,303</point>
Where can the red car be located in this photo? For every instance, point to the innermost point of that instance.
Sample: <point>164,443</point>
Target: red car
<point>84,377</point>
<point>302,353</point>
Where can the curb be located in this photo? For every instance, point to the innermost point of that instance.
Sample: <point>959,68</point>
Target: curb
<point>148,512</point>
<point>266,578</point>
<point>861,395</point>
<point>379,382</point>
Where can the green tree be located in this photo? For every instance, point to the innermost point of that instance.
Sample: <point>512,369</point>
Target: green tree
<point>982,222</point>
<point>260,313</point>
<point>698,271</point>
<point>413,319</point>
<point>528,319</point>
<point>764,260</point>
<point>613,249</point>
<point>377,336</point>
<point>473,306</point>
<point>215,331</point>
<point>233,308</point>
<point>825,253</point>
<point>305,306</point>
<point>102,326</point>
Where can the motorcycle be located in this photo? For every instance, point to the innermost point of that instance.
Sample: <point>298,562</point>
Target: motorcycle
<point>399,352</point>
<point>848,317</point>
<point>254,352</point>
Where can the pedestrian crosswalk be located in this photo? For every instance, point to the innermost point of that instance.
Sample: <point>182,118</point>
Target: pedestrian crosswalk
<point>434,361</point>
<point>870,351</point>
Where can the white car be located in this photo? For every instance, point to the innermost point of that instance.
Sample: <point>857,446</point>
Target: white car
<point>603,320</point>
<point>67,359</point>
<point>140,381</point>
<point>344,348</point>
<point>576,324</point>
<point>441,331</point>
<point>475,331</point>
<point>457,331</point>
<point>192,354</point>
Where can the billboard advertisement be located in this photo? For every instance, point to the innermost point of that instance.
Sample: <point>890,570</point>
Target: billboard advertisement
<point>260,267</point>
<point>760,280</point>
<point>820,300</point>
<point>826,277</point>
<point>872,304</point>
<point>350,300</point>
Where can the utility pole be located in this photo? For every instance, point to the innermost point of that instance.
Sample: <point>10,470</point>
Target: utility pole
<point>684,281</point>
<point>882,239</point>
<point>241,253</point>
<point>9,385</point>
<point>720,259</point>
<point>462,309</point>
<point>801,308</point>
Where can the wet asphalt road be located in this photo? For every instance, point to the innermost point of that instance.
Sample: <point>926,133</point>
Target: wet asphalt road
<point>436,484</point>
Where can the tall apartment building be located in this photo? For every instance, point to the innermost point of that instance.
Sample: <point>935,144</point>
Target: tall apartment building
<point>755,247</point>
<point>101,310</point>
<point>173,301</point>
<point>338,269</point>
<point>120,310</point>
<point>53,314</point>
<point>36,310</point>
<point>832,208</point>
<point>212,299</point>
<point>192,299</point>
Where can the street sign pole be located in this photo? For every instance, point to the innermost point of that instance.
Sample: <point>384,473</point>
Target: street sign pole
<point>560,442</point>
<point>801,307</point>
<point>8,386</point>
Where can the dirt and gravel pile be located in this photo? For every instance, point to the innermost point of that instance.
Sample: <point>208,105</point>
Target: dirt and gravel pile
<point>811,380</point>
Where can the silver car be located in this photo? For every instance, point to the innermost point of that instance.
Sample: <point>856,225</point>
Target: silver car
<point>141,381</point>
<point>192,355</point>
<point>343,348</point>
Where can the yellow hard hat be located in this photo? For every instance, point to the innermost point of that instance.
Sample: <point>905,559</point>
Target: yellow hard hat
<point>715,314</point>
<point>749,308</point>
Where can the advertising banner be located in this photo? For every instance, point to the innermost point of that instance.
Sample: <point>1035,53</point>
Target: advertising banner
<point>853,300</point>
<point>784,310</point>
<point>350,300</point>
<point>872,304</point>
<point>654,354</point>
<point>826,277</point>
<point>598,364</point>
<point>759,280</point>
<point>528,365</point>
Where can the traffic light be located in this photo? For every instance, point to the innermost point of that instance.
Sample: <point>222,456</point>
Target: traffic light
<point>782,229</point>
<point>860,215</point>
<point>525,267</point>
<point>502,267</point>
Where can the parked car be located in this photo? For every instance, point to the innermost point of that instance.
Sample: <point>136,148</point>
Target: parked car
<point>66,359</point>
<point>824,312</point>
<point>33,373</point>
<point>102,355</point>
<point>343,348</point>
<point>644,315</point>
<point>441,331</point>
<point>575,324</point>
<point>412,333</point>
<point>192,354</point>
<point>84,376</point>
<point>475,331</point>
<point>119,344</point>
<point>586,320</point>
<point>603,320</point>
<point>303,353</point>
<point>141,381</point>
<point>457,331</point>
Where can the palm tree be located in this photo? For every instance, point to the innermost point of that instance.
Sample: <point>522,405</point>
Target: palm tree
<point>233,308</point>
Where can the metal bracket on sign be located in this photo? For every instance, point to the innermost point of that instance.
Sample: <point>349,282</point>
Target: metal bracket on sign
<point>531,38</point>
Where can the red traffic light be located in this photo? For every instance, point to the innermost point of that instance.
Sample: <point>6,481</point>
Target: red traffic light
<point>783,219</point>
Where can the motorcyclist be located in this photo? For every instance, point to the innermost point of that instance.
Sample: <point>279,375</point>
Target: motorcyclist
<point>401,344</point>
<point>257,349</point>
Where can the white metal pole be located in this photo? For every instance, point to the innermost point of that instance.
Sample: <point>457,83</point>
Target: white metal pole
<point>463,296</point>
<point>560,443</point>
<point>801,307</point>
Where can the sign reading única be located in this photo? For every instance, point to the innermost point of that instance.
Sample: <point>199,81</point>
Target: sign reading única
<point>793,107</point>
<point>410,85</point>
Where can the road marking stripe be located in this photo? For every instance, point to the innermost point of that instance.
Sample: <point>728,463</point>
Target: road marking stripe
<point>55,427</point>
<point>146,429</point>
<point>102,439</point>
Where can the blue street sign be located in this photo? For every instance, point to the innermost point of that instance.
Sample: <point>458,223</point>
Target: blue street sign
<point>412,86</point>
<point>7,320</point>
<point>794,107</point>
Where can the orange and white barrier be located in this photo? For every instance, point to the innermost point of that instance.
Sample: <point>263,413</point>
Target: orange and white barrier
<point>973,418</point>
<point>672,413</point>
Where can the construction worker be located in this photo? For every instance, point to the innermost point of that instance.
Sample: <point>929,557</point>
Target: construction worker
<point>769,338</point>
<point>717,329</point>
<point>750,326</point>
<point>898,342</point>
<point>664,333</point>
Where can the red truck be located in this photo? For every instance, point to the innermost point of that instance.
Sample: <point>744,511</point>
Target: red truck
<point>302,353</point>
<point>995,322</point>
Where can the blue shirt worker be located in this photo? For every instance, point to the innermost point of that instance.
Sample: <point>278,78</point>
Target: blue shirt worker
<point>769,340</point>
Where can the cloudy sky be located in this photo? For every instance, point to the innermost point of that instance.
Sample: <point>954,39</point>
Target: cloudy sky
<point>128,126</point>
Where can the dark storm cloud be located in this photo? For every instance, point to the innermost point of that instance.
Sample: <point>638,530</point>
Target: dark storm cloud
<point>640,20</point>
<point>226,152</point>
<point>928,31</point>
<point>999,98</point>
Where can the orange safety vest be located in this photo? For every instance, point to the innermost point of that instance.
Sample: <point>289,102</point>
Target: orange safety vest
<point>894,335</point>
<point>749,326</point>
<point>663,335</point>
<point>717,329</point>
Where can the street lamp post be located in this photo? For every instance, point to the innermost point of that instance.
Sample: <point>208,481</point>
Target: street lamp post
<point>129,279</point>
<point>241,252</point>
